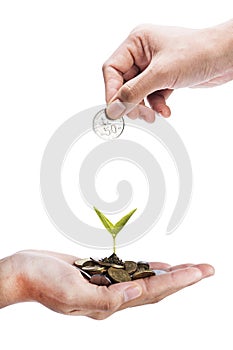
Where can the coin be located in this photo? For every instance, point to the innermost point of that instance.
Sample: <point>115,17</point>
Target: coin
<point>117,266</point>
<point>107,264</point>
<point>100,280</point>
<point>130,266</point>
<point>111,269</point>
<point>106,128</point>
<point>143,265</point>
<point>84,274</point>
<point>118,275</point>
<point>94,269</point>
<point>101,263</point>
<point>143,274</point>
<point>159,272</point>
<point>88,263</point>
<point>80,262</point>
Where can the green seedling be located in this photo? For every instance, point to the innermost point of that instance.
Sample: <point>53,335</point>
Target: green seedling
<point>114,229</point>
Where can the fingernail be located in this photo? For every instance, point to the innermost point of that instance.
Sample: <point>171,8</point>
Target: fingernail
<point>207,270</point>
<point>131,293</point>
<point>115,109</point>
<point>211,271</point>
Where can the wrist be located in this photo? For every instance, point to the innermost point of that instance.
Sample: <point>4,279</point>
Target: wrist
<point>11,283</point>
<point>220,46</point>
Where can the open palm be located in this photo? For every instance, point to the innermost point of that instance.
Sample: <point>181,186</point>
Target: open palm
<point>51,279</point>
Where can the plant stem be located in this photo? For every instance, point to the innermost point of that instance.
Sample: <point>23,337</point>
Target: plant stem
<point>114,244</point>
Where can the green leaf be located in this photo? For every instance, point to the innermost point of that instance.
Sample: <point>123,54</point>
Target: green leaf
<point>121,223</point>
<point>114,229</point>
<point>107,223</point>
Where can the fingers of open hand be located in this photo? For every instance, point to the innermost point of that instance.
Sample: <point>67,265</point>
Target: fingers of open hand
<point>206,269</point>
<point>150,290</point>
<point>178,277</point>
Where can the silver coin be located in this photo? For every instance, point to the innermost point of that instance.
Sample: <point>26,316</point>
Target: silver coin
<point>107,129</point>
<point>159,272</point>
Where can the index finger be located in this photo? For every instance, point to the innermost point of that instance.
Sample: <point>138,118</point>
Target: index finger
<point>114,69</point>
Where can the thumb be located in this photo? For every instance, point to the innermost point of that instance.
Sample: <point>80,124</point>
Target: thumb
<point>111,299</point>
<point>127,290</point>
<point>133,92</point>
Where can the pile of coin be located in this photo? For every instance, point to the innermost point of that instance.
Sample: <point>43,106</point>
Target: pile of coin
<point>107,271</point>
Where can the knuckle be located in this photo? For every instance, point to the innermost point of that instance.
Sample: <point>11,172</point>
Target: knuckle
<point>146,289</point>
<point>171,282</point>
<point>140,33</point>
<point>140,28</point>
<point>128,93</point>
<point>105,66</point>
<point>108,69</point>
<point>106,305</point>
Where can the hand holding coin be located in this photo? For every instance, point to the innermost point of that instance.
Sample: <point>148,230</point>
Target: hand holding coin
<point>51,279</point>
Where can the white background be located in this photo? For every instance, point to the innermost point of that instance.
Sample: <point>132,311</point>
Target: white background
<point>51,55</point>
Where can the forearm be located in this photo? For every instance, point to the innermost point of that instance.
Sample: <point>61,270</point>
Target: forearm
<point>10,286</point>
